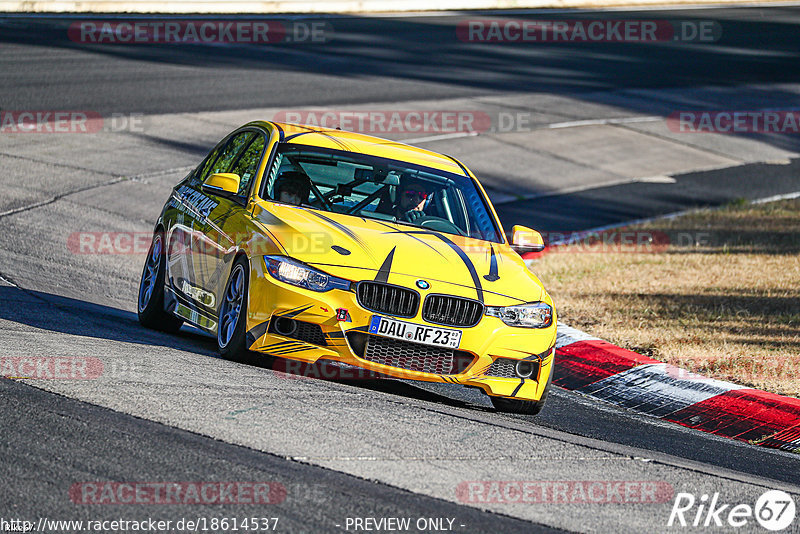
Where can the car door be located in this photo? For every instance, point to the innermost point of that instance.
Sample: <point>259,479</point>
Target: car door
<point>192,250</point>
<point>228,223</point>
<point>185,228</point>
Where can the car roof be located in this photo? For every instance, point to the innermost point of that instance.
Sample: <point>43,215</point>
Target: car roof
<point>365,144</point>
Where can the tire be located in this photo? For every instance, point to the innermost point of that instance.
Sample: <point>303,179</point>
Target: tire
<point>523,407</point>
<point>231,334</point>
<point>150,308</point>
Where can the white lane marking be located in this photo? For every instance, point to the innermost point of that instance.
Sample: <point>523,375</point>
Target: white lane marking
<point>775,198</point>
<point>440,137</point>
<point>566,335</point>
<point>658,179</point>
<point>8,282</point>
<point>600,122</point>
<point>657,389</point>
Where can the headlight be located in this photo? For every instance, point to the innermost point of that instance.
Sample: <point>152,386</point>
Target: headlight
<point>301,275</point>
<point>533,315</point>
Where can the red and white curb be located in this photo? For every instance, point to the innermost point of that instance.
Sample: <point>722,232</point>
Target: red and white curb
<point>625,378</point>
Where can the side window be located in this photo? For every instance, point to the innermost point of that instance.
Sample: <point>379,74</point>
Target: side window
<point>205,171</point>
<point>247,164</point>
<point>227,155</point>
<point>268,181</point>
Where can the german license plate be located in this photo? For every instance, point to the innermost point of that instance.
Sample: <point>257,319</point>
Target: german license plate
<point>417,333</point>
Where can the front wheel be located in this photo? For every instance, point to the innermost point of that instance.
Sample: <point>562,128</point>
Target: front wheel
<point>522,407</point>
<point>231,335</point>
<point>151,290</point>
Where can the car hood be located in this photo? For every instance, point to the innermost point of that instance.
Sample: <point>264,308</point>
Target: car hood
<point>367,249</point>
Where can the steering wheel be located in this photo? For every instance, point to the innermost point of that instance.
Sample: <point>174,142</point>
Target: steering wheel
<point>321,203</point>
<point>437,223</point>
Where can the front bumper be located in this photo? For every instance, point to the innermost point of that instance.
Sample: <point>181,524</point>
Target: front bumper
<point>334,327</point>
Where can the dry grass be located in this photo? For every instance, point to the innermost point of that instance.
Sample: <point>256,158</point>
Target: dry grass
<point>728,307</point>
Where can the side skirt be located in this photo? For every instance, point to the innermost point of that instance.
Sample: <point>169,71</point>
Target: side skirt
<point>179,307</point>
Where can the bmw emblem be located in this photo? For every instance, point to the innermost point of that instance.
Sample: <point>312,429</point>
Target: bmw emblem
<point>422,284</point>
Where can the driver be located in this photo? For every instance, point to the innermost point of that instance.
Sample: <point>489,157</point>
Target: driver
<point>292,187</point>
<point>412,195</point>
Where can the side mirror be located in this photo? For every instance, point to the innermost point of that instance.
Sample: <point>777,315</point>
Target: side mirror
<point>223,184</point>
<point>524,239</point>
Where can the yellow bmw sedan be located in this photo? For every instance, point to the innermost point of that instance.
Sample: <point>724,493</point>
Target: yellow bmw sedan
<point>320,245</point>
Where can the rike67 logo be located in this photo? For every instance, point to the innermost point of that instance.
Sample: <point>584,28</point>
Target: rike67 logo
<point>774,510</point>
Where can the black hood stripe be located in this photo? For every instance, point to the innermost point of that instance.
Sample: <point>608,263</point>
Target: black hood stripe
<point>409,234</point>
<point>386,268</point>
<point>347,231</point>
<point>464,258</point>
<point>467,262</point>
<point>492,276</point>
<point>461,254</point>
<point>476,280</point>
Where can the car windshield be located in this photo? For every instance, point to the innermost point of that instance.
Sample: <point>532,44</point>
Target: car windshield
<point>377,188</point>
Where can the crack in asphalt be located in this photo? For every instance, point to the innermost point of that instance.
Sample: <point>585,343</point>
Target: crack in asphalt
<point>58,197</point>
<point>118,179</point>
<point>685,144</point>
<point>558,157</point>
<point>54,164</point>
<point>450,458</point>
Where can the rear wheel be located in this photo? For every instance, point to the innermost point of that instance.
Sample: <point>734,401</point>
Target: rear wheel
<point>151,290</point>
<point>522,407</point>
<point>231,335</point>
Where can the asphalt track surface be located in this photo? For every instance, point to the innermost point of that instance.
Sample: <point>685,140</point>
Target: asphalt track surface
<point>385,59</point>
<point>175,412</point>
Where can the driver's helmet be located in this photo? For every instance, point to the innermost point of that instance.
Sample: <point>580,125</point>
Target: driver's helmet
<point>293,181</point>
<point>410,182</point>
